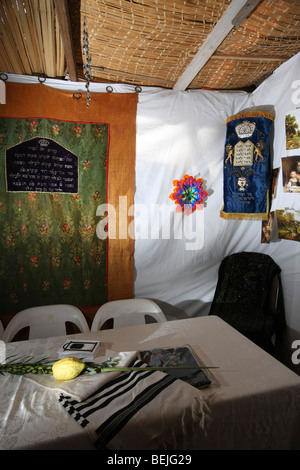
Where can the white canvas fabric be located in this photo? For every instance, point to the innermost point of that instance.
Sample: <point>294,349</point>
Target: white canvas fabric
<point>182,133</point>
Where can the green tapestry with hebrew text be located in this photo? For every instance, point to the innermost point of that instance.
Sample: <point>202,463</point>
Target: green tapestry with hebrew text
<point>53,176</point>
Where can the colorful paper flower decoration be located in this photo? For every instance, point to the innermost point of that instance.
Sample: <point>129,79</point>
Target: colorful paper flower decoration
<point>188,194</point>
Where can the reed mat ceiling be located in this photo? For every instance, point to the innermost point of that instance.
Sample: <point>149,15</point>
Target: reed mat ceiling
<point>176,44</point>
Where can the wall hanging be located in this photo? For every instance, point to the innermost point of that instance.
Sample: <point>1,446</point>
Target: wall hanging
<point>188,194</point>
<point>247,173</point>
<point>53,177</point>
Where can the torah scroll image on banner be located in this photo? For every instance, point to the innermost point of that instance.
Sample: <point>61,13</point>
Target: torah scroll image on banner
<point>247,170</point>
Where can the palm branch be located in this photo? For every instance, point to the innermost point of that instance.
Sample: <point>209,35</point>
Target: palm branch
<point>42,366</point>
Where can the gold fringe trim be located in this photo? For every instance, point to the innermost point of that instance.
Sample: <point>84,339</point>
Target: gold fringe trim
<point>251,114</point>
<point>242,216</point>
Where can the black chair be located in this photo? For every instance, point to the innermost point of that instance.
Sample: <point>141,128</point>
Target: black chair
<point>249,297</point>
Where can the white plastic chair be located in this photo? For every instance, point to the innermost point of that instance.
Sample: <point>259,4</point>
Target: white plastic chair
<point>127,312</point>
<point>45,321</point>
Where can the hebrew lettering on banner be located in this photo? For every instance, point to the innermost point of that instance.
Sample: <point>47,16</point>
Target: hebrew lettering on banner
<point>41,164</point>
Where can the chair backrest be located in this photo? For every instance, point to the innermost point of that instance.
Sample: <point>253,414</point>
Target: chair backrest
<point>127,312</point>
<point>249,297</point>
<point>45,321</point>
<point>1,329</point>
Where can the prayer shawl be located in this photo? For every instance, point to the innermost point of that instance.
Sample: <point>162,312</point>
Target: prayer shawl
<point>247,166</point>
<point>141,410</point>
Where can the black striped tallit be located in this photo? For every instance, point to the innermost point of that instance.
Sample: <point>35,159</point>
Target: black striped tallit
<point>104,413</point>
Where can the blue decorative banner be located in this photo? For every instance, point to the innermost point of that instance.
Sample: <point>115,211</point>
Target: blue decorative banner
<point>247,168</point>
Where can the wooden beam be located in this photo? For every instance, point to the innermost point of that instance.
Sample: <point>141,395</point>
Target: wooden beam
<point>245,11</point>
<point>62,11</point>
<point>235,13</point>
<point>248,58</point>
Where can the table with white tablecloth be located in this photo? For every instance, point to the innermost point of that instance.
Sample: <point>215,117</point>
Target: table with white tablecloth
<point>253,401</point>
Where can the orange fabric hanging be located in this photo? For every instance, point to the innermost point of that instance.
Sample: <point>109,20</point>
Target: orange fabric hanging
<point>119,111</point>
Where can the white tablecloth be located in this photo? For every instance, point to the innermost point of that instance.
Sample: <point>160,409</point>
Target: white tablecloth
<point>254,401</point>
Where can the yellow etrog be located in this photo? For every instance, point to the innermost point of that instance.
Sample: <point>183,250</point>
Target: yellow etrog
<point>67,368</point>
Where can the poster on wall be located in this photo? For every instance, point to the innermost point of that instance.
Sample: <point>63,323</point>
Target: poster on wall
<point>292,130</point>
<point>53,176</point>
<point>288,221</point>
<point>267,228</point>
<point>291,174</point>
<point>275,174</point>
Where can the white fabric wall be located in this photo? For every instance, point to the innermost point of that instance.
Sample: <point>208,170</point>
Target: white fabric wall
<point>184,132</point>
<point>282,90</point>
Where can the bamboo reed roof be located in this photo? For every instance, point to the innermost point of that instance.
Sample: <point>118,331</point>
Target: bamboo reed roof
<point>150,42</point>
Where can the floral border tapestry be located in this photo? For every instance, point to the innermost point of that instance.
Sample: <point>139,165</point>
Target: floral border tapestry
<point>53,177</point>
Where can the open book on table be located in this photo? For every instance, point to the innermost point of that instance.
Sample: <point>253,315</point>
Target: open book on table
<point>179,357</point>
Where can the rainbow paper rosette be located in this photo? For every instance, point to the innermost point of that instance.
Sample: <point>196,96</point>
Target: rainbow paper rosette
<point>188,194</point>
